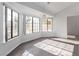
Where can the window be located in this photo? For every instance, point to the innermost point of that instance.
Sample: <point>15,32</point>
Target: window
<point>15,24</point>
<point>32,24</point>
<point>29,24</point>
<point>44,26</point>
<point>8,23</point>
<point>47,25</point>
<point>35,24</point>
<point>11,23</point>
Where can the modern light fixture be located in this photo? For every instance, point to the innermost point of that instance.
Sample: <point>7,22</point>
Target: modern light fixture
<point>45,8</point>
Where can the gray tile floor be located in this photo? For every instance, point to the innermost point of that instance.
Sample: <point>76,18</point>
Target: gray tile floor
<point>46,47</point>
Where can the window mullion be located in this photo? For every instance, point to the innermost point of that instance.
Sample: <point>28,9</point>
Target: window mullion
<point>39,25</point>
<point>6,36</point>
<point>32,24</point>
<point>18,23</point>
<point>47,25</point>
<point>11,23</point>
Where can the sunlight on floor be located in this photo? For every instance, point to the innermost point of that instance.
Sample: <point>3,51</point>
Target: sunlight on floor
<point>26,53</point>
<point>71,36</point>
<point>66,40</point>
<point>55,47</point>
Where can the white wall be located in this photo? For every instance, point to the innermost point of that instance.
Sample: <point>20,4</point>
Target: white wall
<point>60,26</point>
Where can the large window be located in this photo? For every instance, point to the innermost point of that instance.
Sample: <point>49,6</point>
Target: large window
<point>32,24</point>
<point>29,25</point>
<point>44,26</point>
<point>15,24</point>
<point>35,24</point>
<point>47,25</point>
<point>8,23</point>
<point>11,23</point>
<point>50,24</point>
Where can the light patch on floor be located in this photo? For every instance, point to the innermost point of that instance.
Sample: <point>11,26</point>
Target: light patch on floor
<point>26,53</point>
<point>55,47</point>
<point>66,40</point>
<point>71,36</point>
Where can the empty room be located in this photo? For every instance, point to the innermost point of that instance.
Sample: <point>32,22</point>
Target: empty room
<point>39,28</point>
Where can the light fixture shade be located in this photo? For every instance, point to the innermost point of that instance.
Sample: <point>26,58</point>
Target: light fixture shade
<point>44,17</point>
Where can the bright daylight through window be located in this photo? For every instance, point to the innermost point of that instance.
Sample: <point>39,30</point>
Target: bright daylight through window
<point>11,23</point>
<point>47,25</point>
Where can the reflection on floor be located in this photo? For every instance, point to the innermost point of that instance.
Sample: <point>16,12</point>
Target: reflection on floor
<point>46,47</point>
<point>56,48</point>
<point>26,53</point>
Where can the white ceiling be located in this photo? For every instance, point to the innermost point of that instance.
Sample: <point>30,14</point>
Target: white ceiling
<point>52,8</point>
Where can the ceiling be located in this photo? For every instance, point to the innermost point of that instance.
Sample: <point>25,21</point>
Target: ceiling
<point>51,8</point>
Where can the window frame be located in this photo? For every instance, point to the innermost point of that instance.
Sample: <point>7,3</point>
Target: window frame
<point>44,24</point>
<point>47,26</point>
<point>38,23</point>
<point>31,23</point>
<point>12,24</point>
<point>6,29</point>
